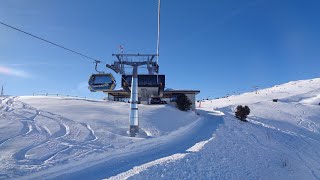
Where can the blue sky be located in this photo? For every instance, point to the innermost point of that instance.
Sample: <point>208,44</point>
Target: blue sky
<point>217,46</point>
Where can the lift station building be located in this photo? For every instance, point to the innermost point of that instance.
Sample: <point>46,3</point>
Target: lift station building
<point>150,86</point>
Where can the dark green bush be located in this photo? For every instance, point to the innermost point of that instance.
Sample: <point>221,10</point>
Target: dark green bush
<point>183,102</point>
<point>242,112</point>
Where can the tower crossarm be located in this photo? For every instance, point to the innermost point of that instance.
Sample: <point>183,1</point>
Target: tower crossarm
<point>134,60</point>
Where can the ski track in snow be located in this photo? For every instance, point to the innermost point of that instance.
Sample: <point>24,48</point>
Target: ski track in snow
<point>152,151</point>
<point>34,134</point>
<point>51,145</point>
<point>305,123</point>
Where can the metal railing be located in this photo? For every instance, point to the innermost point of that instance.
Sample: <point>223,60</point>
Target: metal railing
<point>57,95</point>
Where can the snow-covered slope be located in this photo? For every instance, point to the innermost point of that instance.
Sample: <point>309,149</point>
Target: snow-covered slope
<point>67,138</point>
<point>280,141</point>
<point>48,136</point>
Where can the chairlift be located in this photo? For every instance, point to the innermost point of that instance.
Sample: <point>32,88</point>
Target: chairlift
<point>101,81</point>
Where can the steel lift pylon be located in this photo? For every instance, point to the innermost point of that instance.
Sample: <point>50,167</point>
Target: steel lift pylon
<point>135,61</point>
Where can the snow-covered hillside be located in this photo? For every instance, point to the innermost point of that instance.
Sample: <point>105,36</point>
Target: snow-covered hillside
<point>68,138</point>
<point>280,141</point>
<point>40,136</point>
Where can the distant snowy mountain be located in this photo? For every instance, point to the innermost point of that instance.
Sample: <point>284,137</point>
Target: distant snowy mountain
<point>68,138</point>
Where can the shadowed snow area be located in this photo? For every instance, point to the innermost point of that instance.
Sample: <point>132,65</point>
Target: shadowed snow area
<point>68,138</point>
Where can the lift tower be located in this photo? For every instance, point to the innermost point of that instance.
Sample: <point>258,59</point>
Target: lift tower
<point>134,61</point>
<point>2,94</point>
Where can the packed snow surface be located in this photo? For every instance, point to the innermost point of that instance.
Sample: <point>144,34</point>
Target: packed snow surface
<point>68,138</point>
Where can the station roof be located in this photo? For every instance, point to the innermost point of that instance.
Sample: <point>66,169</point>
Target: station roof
<point>182,91</point>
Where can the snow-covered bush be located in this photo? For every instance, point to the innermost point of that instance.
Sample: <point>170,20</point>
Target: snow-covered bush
<point>242,112</point>
<point>183,102</point>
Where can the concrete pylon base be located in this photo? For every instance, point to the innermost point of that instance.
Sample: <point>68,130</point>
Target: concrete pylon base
<point>134,130</point>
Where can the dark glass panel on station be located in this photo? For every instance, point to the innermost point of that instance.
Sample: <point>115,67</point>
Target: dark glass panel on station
<point>144,80</point>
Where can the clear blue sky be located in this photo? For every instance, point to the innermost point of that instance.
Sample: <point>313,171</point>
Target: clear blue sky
<point>216,46</point>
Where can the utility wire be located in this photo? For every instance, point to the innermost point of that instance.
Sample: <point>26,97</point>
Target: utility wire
<point>57,45</point>
<point>52,43</point>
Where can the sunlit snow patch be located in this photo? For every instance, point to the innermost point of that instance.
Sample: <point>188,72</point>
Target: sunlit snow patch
<point>138,169</point>
<point>197,147</point>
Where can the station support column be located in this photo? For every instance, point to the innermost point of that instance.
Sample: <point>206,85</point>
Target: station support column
<point>134,112</point>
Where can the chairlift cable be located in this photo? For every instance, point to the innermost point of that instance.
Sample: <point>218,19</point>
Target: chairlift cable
<point>50,42</point>
<point>158,37</point>
<point>158,34</point>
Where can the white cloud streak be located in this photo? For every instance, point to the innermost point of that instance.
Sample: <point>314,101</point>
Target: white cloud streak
<point>13,72</point>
